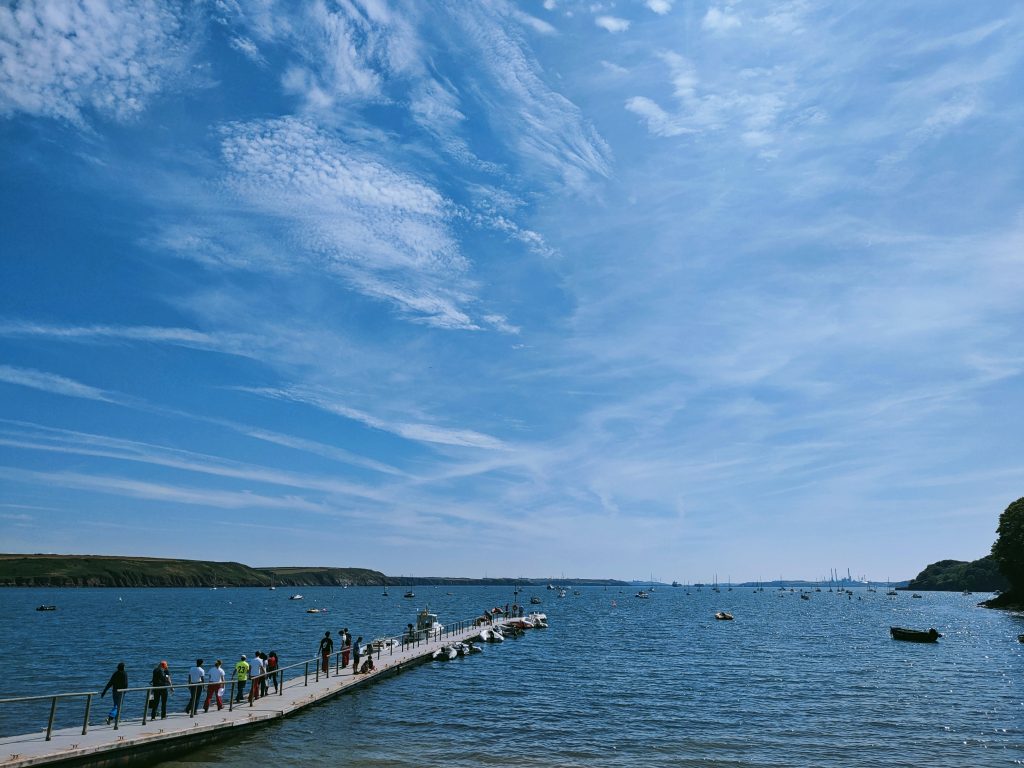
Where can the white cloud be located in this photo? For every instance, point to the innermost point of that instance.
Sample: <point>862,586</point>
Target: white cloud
<point>612,24</point>
<point>52,383</point>
<point>382,231</point>
<point>248,48</point>
<point>720,20</point>
<point>661,7</point>
<point>110,56</point>
<point>417,431</point>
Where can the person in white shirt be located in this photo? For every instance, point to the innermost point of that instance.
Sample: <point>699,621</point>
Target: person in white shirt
<point>196,675</point>
<point>214,686</point>
<point>256,670</point>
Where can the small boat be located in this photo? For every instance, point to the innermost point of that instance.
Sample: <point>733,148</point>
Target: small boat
<point>561,593</point>
<point>316,610</point>
<point>1020,638</point>
<point>409,595</point>
<point>535,600</point>
<point>444,653</point>
<point>47,608</point>
<point>915,635</point>
<point>539,620</point>
<point>643,595</point>
<point>384,644</point>
<point>804,596</point>
<point>295,597</point>
<point>723,616</point>
<point>467,649</point>
<point>916,595</point>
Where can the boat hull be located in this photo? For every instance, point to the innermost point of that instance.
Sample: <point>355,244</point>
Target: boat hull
<point>914,635</point>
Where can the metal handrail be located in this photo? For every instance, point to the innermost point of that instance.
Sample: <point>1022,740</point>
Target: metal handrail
<point>390,643</point>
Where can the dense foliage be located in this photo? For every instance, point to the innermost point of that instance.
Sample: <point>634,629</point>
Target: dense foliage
<point>1008,549</point>
<point>956,575</point>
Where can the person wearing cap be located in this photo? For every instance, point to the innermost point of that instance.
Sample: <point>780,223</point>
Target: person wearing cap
<point>161,686</point>
<point>241,676</point>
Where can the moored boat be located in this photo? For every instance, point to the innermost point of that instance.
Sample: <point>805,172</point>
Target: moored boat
<point>47,608</point>
<point>915,635</point>
<point>539,620</point>
<point>723,616</point>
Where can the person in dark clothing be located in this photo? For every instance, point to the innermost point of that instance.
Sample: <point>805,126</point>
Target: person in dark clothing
<point>161,684</point>
<point>326,648</point>
<point>272,664</point>
<point>116,684</point>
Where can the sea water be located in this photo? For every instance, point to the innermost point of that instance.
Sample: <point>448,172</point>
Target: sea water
<point>614,680</point>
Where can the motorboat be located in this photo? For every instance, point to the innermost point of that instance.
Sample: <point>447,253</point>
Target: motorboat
<point>491,635</point>
<point>534,600</point>
<point>427,624</point>
<point>561,593</point>
<point>915,635</point>
<point>643,595</point>
<point>467,649</point>
<point>520,623</point>
<point>47,608</point>
<point>445,652</point>
<point>1020,638</point>
<point>409,595</point>
<point>916,595</point>
<point>316,610</point>
<point>723,616</point>
<point>804,596</point>
<point>295,597</point>
<point>539,620</point>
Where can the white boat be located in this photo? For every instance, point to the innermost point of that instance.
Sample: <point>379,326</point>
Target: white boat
<point>295,597</point>
<point>491,635</point>
<point>445,652</point>
<point>427,624</point>
<point>539,620</point>
<point>534,600</point>
<point>561,593</point>
<point>465,649</point>
<point>643,595</point>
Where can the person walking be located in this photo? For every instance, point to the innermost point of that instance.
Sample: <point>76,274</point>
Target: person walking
<point>346,646</point>
<point>326,648</point>
<point>263,678</point>
<point>241,675</point>
<point>255,677</point>
<point>161,686</point>
<point>116,685</point>
<point>196,675</point>
<point>272,664</point>
<point>214,686</point>
<point>355,655</point>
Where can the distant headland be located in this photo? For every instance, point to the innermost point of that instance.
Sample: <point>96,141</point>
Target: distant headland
<point>41,570</point>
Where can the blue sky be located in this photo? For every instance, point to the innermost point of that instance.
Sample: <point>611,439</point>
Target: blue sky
<point>602,289</point>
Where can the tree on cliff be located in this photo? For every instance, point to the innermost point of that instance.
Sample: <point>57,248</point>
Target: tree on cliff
<point>1008,549</point>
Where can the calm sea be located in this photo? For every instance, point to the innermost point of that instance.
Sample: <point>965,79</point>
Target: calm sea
<point>614,681</point>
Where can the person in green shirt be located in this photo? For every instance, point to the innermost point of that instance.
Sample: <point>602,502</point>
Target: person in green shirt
<point>241,676</point>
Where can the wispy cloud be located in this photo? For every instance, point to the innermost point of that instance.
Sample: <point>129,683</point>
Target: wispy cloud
<point>419,432</point>
<point>53,383</point>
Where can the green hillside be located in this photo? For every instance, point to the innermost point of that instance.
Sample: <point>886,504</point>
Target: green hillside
<point>956,575</point>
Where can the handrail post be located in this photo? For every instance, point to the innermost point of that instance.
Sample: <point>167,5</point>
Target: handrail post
<point>145,704</point>
<point>317,678</point>
<point>53,711</point>
<point>231,698</point>
<point>280,682</point>
<point>307,674</point>
<point>337,663</point>
<point>85,722</point>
